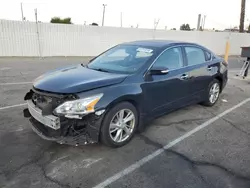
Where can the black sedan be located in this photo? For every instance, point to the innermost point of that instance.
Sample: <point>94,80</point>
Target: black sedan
<point>117,92</point>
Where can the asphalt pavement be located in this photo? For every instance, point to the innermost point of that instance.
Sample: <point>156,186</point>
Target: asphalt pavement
<point>193,147</point>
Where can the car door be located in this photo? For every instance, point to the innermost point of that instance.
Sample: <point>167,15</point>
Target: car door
<point>169,91</point>
<point>198,70</point>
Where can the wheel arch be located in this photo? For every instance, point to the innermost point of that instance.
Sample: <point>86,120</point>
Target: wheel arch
<point>220,79</point>
<point>124,99</point>
<point>132,99</point>
<point>128,98</point>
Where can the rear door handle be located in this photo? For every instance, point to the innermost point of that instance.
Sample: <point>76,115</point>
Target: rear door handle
<point>184,76</point>
<point>209,68</point>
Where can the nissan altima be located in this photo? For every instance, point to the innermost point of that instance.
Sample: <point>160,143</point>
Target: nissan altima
<point>117,92</point>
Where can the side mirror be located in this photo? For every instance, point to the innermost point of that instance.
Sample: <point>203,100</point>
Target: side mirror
<point>159,71</point>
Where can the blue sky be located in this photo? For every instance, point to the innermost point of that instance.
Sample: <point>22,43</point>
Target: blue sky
<point>220,14</point>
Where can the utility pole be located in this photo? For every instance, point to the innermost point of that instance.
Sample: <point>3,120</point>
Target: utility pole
<point>36,15</point>
<point>121,19</point>
<point>38,35</point>
<point>201,26</point>
<point>156,22</point>
<point>242,15</point>
<point>103,15</point>
<point>199,22</point>
<point>204,20</point>
<point>22,11</point>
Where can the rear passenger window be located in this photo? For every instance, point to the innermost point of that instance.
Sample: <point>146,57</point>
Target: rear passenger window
<point>195,55</point>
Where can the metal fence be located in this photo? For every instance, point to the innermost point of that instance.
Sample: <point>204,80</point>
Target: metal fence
<point>45,39</point>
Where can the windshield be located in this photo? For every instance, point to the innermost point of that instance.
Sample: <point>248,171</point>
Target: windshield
<point>122,59</point>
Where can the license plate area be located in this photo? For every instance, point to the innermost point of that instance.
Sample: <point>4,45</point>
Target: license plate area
<point>48,120</point>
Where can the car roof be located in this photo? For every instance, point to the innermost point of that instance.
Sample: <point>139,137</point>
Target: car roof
<point>158,43</point>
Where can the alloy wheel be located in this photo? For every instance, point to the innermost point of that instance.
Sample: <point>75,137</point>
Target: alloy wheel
<point>214,93</point>
<point>122,125</point>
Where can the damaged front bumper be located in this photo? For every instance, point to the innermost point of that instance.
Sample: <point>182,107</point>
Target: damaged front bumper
<point>64,130</point>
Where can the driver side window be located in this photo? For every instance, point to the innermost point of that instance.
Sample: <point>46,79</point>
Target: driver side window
<point>171,59</point>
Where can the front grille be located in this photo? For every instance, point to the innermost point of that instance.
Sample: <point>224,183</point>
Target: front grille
<point>47,102</point>
<point>41,101</point>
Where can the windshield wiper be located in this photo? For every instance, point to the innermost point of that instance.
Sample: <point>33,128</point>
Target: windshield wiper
<point>84,65</point>
<point>99,69</point>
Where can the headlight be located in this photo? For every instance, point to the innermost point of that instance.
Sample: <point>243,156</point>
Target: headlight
<point>78,107</point>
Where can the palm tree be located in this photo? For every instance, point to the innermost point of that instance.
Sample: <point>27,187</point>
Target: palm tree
<point>242,15</point>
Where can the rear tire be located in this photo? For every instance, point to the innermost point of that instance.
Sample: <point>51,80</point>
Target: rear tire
<point>119,125</point>
<point>212,93</point>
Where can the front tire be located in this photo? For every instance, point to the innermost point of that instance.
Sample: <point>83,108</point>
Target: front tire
<point>119,125</point>
<point>213,93</point>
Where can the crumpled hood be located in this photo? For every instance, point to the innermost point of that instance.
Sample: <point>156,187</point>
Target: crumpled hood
<point>76,79</point>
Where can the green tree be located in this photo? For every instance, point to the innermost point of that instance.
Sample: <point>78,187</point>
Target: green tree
<point>248,29</point>
<point>61,20</point>
<point>185,27</point>
<point>94,24</point>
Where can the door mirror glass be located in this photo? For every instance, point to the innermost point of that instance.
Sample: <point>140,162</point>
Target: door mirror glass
<point>159,71</point>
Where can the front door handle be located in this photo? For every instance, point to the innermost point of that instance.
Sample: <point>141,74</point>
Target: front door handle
<point>184,76</point>
<point>209,68</point>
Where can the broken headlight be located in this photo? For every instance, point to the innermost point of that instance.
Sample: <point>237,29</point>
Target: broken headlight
<point>78,107</point>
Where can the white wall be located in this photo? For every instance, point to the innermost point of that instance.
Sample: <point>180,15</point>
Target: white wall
<point>21,39</point>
